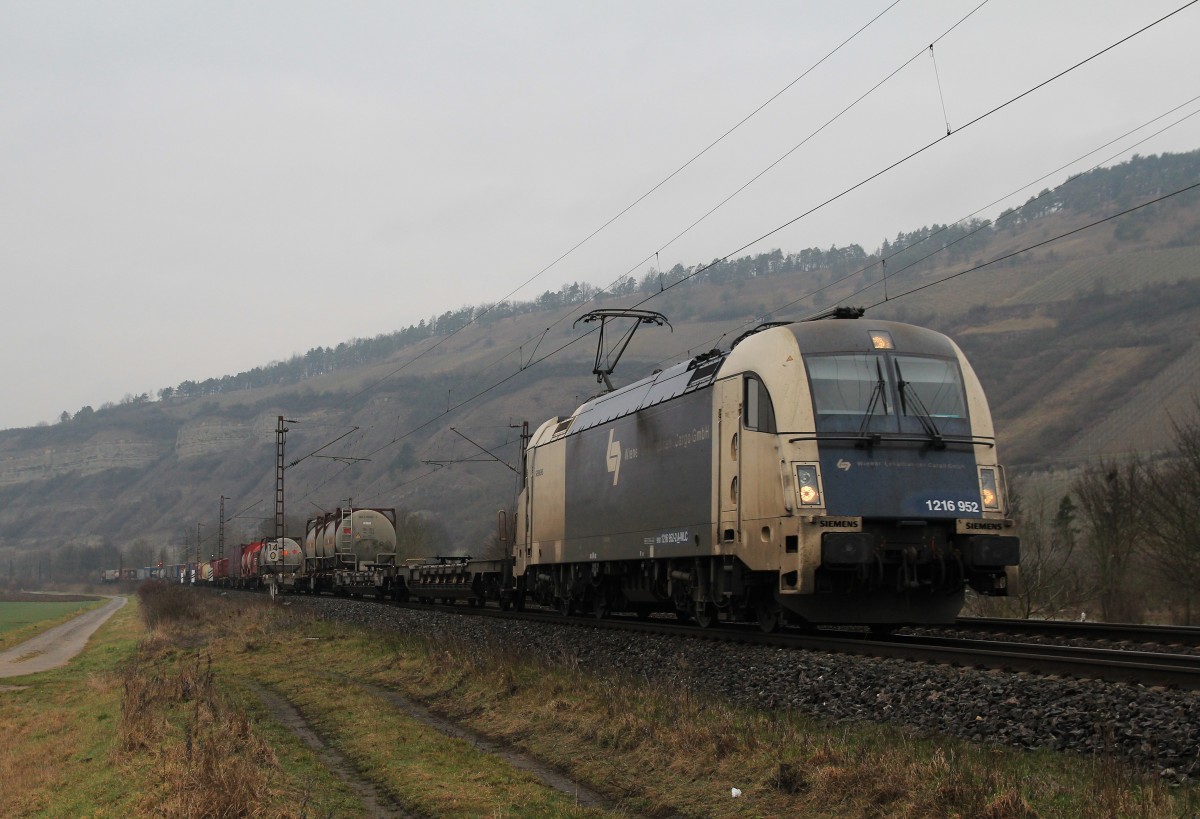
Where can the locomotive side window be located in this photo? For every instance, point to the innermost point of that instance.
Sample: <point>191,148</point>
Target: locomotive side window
<point>758,411</point>
<point>850,392</point>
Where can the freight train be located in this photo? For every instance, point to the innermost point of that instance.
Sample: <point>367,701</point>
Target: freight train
<point>837,471</point>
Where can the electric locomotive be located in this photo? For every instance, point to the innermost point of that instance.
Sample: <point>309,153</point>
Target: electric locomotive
<point>818,472</point>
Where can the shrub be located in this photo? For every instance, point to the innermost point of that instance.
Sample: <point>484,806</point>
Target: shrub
<point>163,602</point>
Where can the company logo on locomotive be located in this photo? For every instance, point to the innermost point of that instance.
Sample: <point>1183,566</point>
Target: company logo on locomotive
<point>852,524</point>
<point>614,457</point>
<point>983,525</point>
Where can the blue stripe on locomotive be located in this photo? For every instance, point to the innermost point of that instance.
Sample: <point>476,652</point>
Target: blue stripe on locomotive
<point>900,482</point>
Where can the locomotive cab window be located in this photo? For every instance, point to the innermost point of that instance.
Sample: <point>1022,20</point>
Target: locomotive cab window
<point>885,392</point>
<point>757,409</point>
<point>931,388</point>
<point>850,392</point>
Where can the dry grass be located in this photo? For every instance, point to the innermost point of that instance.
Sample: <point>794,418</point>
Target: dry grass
<point>658,747</point>
<point>209,760</point>
<point>177,720</point>
<point>49,731</point>
<point>670,751</point>
<point>163,603</point>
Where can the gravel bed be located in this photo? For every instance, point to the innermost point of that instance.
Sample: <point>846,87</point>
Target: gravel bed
<point>1156,730</point>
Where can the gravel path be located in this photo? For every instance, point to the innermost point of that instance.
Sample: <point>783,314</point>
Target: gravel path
<point>55,647</point>
<point>1157,730</point>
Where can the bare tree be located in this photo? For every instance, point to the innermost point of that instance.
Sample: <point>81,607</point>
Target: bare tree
<point>136,554</point>
<point>1110,503</point>
<point>1050,582</point>
<point>1173,504</point>
<point>419,534</point>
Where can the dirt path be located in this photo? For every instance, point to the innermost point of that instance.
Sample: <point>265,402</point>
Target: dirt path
<point>378,803</point>
<point>55,647</point>
<point>372,798</point>
<point>582,794</point>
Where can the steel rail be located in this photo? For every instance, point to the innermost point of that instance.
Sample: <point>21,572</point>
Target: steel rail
<point>1134,632</point>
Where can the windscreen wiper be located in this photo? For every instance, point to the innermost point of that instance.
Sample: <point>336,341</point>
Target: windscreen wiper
<point>878,396</point>
<point>922,415</point>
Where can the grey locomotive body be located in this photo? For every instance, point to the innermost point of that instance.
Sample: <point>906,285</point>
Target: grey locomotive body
<point>823,472</point>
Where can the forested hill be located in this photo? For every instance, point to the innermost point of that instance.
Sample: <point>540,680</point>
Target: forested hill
<point>1088,346</point>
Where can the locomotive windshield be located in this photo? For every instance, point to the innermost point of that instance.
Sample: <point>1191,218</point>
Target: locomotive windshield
<point>884,392</point>
<point>850,392</point>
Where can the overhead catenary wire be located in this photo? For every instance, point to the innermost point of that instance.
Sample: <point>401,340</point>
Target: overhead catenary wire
<point>569,311</point>
<point>893,298</point>
<point>631,205</point>
<point>1045,242</point>
<point>799,145</point>
<point>974,268</point>
<point>1002,106</point>
<point>1013,212</point>
<point>882,261</point>
<point>922,149</point>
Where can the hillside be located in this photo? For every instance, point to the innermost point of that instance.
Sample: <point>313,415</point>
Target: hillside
<point>1087,347</point>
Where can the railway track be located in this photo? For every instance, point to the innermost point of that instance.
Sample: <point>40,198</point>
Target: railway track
<point>1145,668</point>
<point>1115,632</point>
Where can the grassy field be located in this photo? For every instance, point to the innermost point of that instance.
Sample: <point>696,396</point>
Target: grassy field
<point>175,713</point>
<point>21,618</point>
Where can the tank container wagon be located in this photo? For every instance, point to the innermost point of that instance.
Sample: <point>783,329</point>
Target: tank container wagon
<point>818,472</point>
<point>280,562</point>
<point>351,551</point>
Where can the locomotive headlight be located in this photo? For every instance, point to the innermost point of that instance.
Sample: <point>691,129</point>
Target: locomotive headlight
<point>808,478</point>
<point>989,489</point>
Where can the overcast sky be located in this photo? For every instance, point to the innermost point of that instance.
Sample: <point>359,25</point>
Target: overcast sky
<point>189,190</point>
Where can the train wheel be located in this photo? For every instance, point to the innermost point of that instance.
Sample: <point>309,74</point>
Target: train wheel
<point>564,606</point>
<point>769,617</point>
<point>882,629</point>
<point>642,612</point>
<point>706,615</point>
